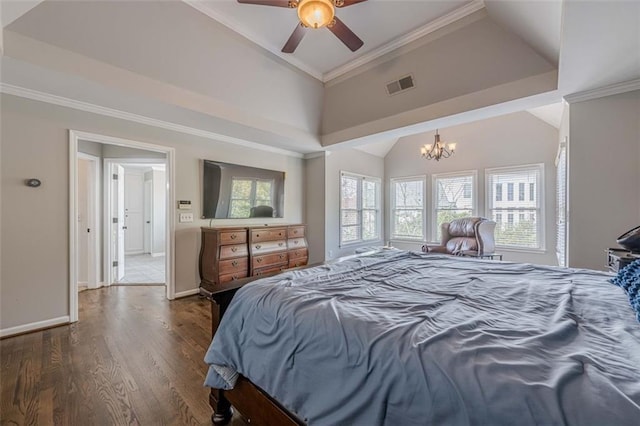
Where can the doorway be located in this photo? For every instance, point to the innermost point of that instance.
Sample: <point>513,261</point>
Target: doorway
<point>136,200</point>
<point>116,184</point>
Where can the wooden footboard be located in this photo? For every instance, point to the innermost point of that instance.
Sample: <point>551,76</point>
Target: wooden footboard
<point>255,405</point>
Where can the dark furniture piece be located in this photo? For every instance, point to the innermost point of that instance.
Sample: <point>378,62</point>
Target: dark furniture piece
<point>261,211</point>
<point>232,253</point>
<point>465,236</point>
<point>619,258</point>
<point>630,240</point>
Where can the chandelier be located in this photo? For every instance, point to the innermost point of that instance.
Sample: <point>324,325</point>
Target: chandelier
<point>438,150</point>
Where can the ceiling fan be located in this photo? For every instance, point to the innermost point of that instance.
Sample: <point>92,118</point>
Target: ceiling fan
<point>315,14</point>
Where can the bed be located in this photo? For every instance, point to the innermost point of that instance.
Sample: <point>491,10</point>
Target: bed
<point>396,337</point>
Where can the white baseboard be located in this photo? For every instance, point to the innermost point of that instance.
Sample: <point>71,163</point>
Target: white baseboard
<point>38,325</point>
<point>186,293</point>
<point>131,253</point>
<point>157,254</point>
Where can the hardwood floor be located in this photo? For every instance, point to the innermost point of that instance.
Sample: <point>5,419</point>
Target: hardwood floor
<point>133,358</point>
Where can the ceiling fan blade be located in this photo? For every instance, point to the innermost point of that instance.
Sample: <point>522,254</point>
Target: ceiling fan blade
<point>295,39</point>
<point>346,3</point>
<point>345,35</point>
<point>277,3</point>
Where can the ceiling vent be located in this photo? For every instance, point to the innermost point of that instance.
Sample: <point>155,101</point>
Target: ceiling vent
<point>397,86</point>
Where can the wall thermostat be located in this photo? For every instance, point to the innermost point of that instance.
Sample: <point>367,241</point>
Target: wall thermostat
<point>184,205</point>
<point>34,183</point>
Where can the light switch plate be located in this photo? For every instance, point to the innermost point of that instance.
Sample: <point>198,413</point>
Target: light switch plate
<point>185,217</point>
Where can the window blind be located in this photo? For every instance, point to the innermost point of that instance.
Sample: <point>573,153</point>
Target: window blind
<point>407,210</point>
<point>451,200</point>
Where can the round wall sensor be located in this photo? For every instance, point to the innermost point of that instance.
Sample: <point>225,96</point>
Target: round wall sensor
<point>34,183</point>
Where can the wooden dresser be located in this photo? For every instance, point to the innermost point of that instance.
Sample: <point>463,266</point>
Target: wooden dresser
<point>232,253</point>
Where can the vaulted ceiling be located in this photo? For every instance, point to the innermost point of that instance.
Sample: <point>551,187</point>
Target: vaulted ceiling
<point>214,67</point>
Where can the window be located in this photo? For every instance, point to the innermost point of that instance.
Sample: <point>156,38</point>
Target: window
<point>407,208</point>
<point>525,229</point>
<point>521,191</point>
<point>561,204</point>
<point>247,193</point>
<point>449,198</point>
<point>359,208</point>
<point>498,192</point>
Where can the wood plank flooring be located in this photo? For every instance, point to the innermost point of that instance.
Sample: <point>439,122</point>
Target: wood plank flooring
<point>134,358</point>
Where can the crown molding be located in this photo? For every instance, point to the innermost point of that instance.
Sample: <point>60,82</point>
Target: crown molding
<point>238,28</point>
<point>436,24</point>
<point>601,92</point>
<point>459,13</point>
<point>49,98</point>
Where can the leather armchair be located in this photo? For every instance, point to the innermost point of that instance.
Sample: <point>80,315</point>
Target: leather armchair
<point>474,235</point>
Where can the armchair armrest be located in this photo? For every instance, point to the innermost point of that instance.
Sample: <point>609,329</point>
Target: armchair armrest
<point>432,248</point>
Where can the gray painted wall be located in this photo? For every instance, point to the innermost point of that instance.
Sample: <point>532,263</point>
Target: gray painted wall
<point>604,175</point>
<point>509,140</point>
<point>34,222</point>
<point>469,56</point>
<point>314,191</point>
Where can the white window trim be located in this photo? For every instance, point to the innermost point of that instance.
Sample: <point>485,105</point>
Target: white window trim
<point>433,223</point>
<point>540,193</point>
<point>360,241</point>
<point>392,207</point>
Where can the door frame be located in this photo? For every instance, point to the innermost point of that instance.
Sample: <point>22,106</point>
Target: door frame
<point>93,270</point>
<point>74,137</point>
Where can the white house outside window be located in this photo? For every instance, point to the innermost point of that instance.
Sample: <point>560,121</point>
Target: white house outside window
<point>359,208</point>
<point>408,208</point>
<point>523,227</point>
<point>454,197</point>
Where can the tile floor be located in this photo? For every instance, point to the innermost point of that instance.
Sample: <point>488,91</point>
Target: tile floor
<point>143,269</point>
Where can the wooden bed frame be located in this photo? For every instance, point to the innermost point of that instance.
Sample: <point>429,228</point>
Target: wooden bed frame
<point>253,403</point>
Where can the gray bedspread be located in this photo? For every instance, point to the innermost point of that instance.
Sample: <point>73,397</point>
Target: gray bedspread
<point>404,338</point>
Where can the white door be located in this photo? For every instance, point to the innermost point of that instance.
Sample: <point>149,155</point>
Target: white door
<point>148,214</point>
<point>133,211</point>
<point>117,221</point>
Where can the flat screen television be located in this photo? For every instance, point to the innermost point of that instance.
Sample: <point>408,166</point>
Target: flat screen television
<point>233,191</point>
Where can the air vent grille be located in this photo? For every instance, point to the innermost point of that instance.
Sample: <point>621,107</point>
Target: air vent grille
<point>400,85</point>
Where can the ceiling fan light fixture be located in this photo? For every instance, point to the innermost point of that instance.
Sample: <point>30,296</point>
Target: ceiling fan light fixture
<point>316,13</point>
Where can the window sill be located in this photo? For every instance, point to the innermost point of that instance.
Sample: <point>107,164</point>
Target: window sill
<point>407,240</point>
<point>361,244</point>
<point>522,250</point>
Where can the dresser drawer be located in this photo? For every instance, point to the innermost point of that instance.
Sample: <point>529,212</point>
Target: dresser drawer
<point>298,253</point>
<point>232,277</point>
<point>268,234</point>
<point>236,250</point>
<point>294,263</point>
<point>233,237</point>
<point>268,247</point>
<point>261,261</point>
<point>240,264</point>
<point>295,231</point>
<point>269,270</point>
<point>296,243</point>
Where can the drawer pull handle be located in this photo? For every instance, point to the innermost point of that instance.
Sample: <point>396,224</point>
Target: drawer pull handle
<point>282,256</point>
<point>233,236</point>
<point>257,235</point>
<point>234,263</point>
<point>280,244</point>
<point>234,277</point>
<point>296,242</point>
<point>234,249</point>
<point>295,231</point>
<point>258,246</point>
<point>259,260</point>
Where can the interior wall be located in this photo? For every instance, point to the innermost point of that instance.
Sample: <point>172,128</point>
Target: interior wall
<point>508,140</point>
<point>471,56</point>
<point>226,72</point>
<point>353,161</point>
<point>35,143</point>
<point>159,211</point>
<point>314,190</point>
<point>604,176</point>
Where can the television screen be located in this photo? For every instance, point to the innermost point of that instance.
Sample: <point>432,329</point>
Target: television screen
<point>232,191</point>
